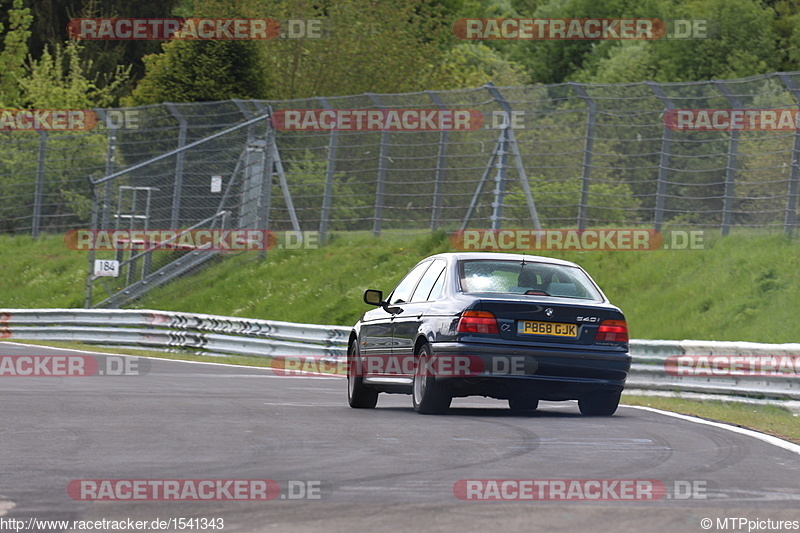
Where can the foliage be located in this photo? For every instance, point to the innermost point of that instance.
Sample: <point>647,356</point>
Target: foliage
<point>306,177</point>
<point>56,81</point>
<point>202,71</point>
<point>59,81</point>
<point>14,51</point>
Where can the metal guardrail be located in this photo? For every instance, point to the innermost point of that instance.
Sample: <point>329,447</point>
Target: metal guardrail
<point>221,335</point>
<point>209,334</point>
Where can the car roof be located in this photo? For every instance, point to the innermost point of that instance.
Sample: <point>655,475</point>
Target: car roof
<point>466,256</point>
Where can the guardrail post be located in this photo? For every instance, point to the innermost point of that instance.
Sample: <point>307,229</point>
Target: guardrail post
<point>730,171</point>
<point>588,146</point>
<point>790,219</point>
<point>39,191</point>
<point>330,170</point>
<point>179,157</point>
<point>379,187</point>
<point>663,165</point>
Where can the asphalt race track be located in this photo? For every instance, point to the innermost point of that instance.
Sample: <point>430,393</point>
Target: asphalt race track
<point>387,469</point>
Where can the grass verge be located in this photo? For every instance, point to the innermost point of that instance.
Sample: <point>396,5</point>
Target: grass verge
<point>769,419</point>
<point>738,288</point>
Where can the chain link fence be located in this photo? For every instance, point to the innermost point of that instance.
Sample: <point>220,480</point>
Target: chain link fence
<point>551,156</point>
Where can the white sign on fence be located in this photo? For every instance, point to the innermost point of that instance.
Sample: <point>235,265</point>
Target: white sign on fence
<point>104,267</point>
<point>216,183</point>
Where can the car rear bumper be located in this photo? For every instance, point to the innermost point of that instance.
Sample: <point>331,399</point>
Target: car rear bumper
<point>547,374</point>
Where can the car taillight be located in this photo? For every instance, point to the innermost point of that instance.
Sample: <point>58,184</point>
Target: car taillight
<point>477,322</point>
<point>613,331</point>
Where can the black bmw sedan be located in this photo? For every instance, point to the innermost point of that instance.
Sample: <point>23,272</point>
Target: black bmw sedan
<point>515,327</point>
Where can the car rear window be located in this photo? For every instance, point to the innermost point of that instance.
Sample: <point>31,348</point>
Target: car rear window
<point>538,279</point>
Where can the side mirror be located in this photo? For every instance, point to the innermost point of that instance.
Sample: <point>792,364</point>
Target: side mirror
<point>373,297</point>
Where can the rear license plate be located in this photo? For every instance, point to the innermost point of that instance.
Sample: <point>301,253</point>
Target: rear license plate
<point>527,327</point>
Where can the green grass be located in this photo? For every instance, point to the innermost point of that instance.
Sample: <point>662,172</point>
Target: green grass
<point>739,288</point>
<point>40,273</point>
<point>745,287</point>
<point>769,419</point>
<point>323,286</point>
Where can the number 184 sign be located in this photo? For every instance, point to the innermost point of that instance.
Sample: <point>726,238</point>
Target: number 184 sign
<point>103,267</point>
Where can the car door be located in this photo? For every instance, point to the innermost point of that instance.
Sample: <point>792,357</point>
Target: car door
<point>376,332</point>
<point>407,323</point>
<point>378,325</point>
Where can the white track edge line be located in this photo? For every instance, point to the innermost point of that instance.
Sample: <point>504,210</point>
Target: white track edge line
<point>775,441</point>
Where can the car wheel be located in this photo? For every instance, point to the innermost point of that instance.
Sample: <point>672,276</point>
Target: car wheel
<point>429,396</point>
<point>520,405</point>
<point>600,403</point>
<point>358,395</point>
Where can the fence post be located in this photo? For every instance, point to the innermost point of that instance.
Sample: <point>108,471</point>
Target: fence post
<point>178,184</point>
<point>110,151</point>
<point>730,171</point>
<point>509,140</point>
<point>247,116</point>
<point>266,172</point>
<point>790,219</point>
<point>91,255</point>
<point>379,188</point>
<point>588,147</point>
<point>39,191</point>
<point>499,181</point>
<point>666,143</point>
<point>330,170</point>
<point>441,161</point>
<point>110,155</point>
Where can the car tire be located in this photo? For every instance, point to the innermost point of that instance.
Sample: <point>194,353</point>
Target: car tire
<point>599,403</point>
<point>429,396</point>
<point>522,405</point>
<point>359,396</point>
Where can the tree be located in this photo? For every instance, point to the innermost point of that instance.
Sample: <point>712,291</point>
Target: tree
<point>12,56</point>
<point>742,42</point>
<point>202,71</point>
<point>59,80</point>
<point>56,81</point>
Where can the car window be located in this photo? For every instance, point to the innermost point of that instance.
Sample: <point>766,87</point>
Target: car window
<point>540,279</point>
<point>426,283</point>
<point>436,291</point>
<point>402,293</point>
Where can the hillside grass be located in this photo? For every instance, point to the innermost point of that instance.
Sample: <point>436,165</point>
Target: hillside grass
<point>743,287</point>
